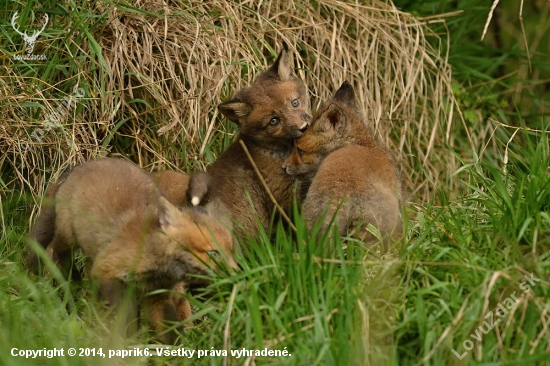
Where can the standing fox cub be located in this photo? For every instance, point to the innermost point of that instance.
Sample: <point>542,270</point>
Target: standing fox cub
<point>346,170</point>
<point>270,113</point>
<point>113,211</point>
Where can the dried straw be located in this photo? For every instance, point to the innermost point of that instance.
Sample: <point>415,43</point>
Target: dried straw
<point>165,65</point>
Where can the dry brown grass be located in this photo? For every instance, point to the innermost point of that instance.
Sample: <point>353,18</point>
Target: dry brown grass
<point>167,64</point>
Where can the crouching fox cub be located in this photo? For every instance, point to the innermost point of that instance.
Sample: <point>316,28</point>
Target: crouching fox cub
<point>113,211</point>
<point>346,170</point>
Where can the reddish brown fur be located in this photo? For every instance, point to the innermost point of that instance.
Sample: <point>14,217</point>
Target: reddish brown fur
<point>270,114</point>
<point>345,167</point>
<point>180,189</point>
<point>112,210</point>
<point>173,186</point>
<point>185,190</point>
<point>183,307</point>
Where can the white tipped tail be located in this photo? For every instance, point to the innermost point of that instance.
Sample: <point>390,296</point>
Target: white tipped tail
<point>195,201</point>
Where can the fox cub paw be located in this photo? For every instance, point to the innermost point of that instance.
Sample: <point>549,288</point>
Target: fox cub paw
<point>198,187</point>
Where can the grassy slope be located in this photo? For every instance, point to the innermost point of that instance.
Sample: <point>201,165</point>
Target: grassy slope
<point>461,258</point>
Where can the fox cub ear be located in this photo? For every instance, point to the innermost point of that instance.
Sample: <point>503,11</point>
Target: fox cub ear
<point>234,109</point>
<point>332,120</point>
<point>282,66</point>
<point>168,214</point>
<point>345,94</point>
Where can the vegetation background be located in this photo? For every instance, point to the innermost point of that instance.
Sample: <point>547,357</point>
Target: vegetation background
<point>469,119</point>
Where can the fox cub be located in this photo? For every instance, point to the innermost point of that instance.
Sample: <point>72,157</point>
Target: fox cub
<point>270,113</point>
<point>113,211</point>
<point>346,170</point>
<point>189,190</point>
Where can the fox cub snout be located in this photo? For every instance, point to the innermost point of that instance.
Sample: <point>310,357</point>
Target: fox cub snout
<point>347,171</point>
<point>112,210</point>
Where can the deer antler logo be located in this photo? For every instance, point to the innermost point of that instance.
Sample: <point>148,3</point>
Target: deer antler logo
<point>30,40</point>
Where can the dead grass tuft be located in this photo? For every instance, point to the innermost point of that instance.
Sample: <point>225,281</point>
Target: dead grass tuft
<point>152,91</point>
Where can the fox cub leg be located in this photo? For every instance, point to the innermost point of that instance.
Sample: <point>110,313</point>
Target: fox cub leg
<point>162,309</point>
<point>169,307</point>
<point>199,184</point>
<point>124,302</point>
<point>43,230</point>
<point>61,253</point>
<point>183,307</point>
<point>313,211</point>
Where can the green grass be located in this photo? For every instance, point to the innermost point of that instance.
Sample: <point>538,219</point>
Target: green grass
<point>460,259</point>
<point>484,243</point>
<point>492,71</point>
<point>467,248</point>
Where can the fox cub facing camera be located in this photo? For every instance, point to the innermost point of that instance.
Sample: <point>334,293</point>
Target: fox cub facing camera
<point>113,211</point>
<point>347,170</point>
<point>270,113</point>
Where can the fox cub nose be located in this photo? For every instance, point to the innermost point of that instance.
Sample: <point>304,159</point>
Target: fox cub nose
<point>303,127</point>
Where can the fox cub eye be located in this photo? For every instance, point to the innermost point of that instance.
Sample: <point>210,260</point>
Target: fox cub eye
<point>213,253</point>
<point>300,152</point>
<point>274,121</point>
<point>295,103</point>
